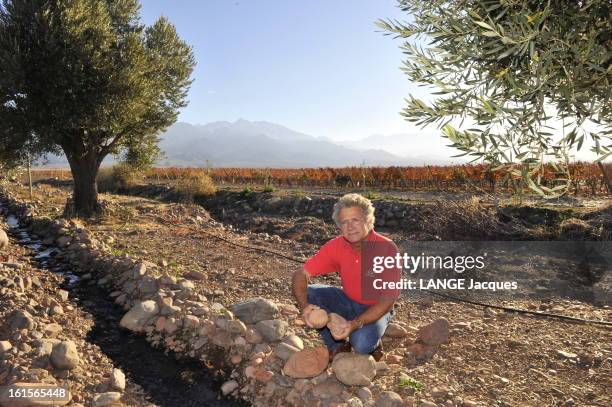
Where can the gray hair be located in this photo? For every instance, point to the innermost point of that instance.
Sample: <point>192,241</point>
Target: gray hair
<point>351,200</point>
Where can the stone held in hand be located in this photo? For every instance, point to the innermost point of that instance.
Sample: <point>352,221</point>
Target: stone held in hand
<point>307,363</point>
<point>354,369</point>
<point>336,325</point>
<point>317,318</point>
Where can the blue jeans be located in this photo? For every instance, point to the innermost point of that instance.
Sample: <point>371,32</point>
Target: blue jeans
<point>333,299</point>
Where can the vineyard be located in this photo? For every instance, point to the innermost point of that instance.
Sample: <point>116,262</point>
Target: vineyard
<point>587,179</point>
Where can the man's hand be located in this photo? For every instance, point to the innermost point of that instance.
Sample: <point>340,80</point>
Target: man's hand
<point>346,329</point>
<point>306,311</point>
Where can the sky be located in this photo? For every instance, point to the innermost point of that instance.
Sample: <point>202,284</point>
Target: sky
<point>319,67</point>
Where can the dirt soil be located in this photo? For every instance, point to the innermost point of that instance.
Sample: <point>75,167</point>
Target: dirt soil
<point>494,358</point>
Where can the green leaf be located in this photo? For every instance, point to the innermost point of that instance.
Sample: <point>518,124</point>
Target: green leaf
<point>485,25</point>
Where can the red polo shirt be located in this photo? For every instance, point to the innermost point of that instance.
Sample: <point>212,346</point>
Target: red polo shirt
<point>338,255</point>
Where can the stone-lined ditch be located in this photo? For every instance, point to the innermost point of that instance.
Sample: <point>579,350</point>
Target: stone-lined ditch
<point>168,379</point>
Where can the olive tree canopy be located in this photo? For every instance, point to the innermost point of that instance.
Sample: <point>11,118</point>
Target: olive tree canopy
<point>516,82</point>
<point>86,77</point>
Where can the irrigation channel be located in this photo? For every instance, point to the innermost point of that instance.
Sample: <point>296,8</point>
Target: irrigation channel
<point>168,381</point>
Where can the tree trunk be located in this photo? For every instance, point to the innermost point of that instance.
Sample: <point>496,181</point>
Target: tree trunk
<point>84,170</point>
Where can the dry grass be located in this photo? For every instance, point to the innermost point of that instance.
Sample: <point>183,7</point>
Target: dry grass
<point>469,219</point>
<point>116,177</point>
<point>194,184</point>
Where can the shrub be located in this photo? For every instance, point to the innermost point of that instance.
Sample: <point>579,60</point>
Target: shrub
<point>118,176</point>
<point>196,183</point>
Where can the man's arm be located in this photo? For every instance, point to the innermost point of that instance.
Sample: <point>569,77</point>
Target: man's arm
<point>373,313</point>
<point>299,285</point>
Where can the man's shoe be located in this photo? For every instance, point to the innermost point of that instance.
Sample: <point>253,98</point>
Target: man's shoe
<point>345,347</point>
<point>378,353</point>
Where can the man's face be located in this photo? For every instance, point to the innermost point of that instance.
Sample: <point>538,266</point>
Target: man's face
<point>353,224</point>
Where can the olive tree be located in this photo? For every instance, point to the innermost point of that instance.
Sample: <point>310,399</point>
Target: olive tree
<point>87,77</point>
<point>516,83</point>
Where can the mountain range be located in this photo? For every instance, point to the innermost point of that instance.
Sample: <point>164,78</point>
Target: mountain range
<point>246,143</point>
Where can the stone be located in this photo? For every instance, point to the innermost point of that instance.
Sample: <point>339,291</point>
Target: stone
<point>236,327</point>
<point>139,270</point>
<point>117,380</point>
<point>389,399</point>
<point>229,386</point>
<point>336,325</point>
<point>222,339</point>
<point>52,330</point>
<point>255,310</point>
<point>566,355</point>
<point>190,321</point>
<point>64,355</point>
<point>5,346</point>
<point>4,240</point>
<point>284,351</point>
<point>263,376</point>
<point>56,310</point>
<point>328,388</point>
<point>354,369</point>
<point>307,363</point>
<point>21,319</point>
<point>272,329</point>
<point>294,341</point>
<point>364,394</point>
<point>354,402</point>
<point>439,392</point>
<point>421,351</point>
<point>139,314</point>
<point>436,333</point>
<point>195,275</point>
<point>427,403</point>
<point>186,285</point>
<point>45,346</point>
<point>147,285</point>
<point>63,294</point>
<point>252,336</point>
<point>317,318</point>
<point>106,399</point>
<point>395,331</point>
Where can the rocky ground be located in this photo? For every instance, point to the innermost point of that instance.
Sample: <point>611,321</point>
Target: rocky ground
<point>45,339</point>
<point>486,357</point>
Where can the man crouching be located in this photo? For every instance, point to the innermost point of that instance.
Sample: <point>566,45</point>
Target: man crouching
<point>366,318</point>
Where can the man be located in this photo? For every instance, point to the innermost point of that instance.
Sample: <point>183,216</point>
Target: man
<point>367,318</point>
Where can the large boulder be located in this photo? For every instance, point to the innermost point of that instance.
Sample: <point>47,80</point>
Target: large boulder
<point>354,369</point>
<point>65,356</point>
<point>140,313</point>
<point>436,333</point>
<point>255,310</point>
<point>307,363</point>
